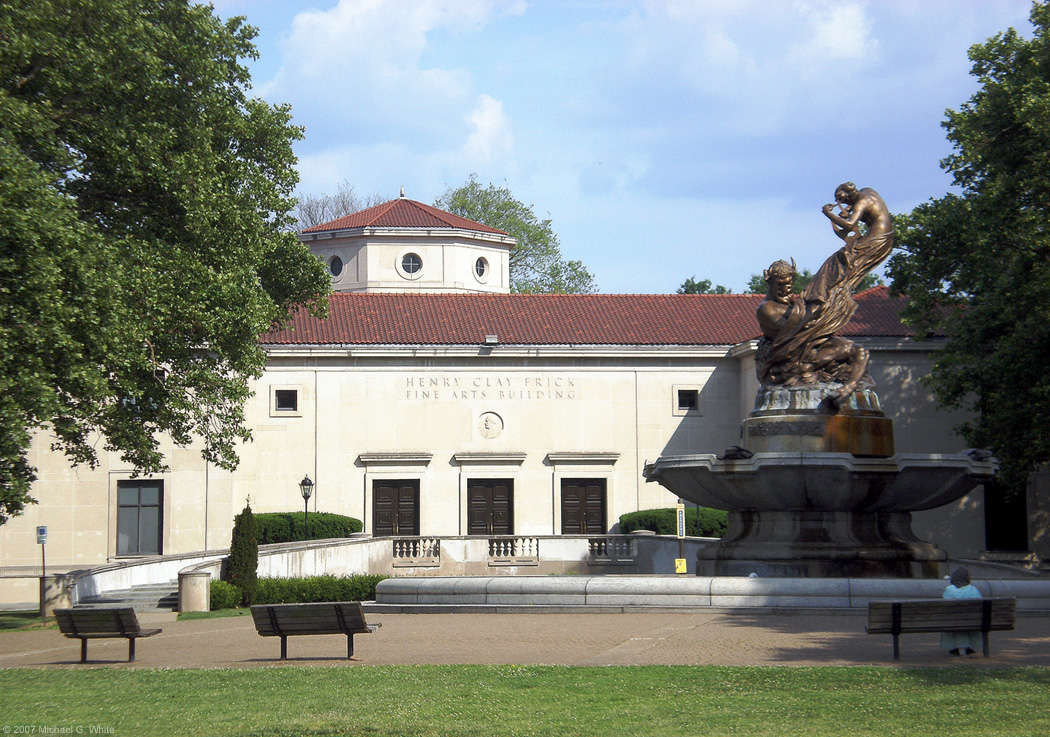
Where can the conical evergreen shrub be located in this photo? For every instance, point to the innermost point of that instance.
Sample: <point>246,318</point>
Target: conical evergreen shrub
<point>243,564</point>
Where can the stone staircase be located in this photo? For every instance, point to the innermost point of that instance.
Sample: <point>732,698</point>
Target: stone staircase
<point>163,597</point>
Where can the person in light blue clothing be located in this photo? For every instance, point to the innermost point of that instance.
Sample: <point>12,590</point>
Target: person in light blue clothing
<point>961,643</point>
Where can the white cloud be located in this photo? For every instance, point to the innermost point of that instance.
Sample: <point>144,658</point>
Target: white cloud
<point>359,68</point>
<point>843,35</point>
<point>491,130</point>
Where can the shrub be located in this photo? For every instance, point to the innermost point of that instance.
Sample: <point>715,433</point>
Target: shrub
<point>317,588</point>
<point>708,523</point>
<point>284,527</point>
<point>224,595</point>
<point>244,555</point>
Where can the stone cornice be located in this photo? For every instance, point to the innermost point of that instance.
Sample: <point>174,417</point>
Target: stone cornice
<point>395,459</point>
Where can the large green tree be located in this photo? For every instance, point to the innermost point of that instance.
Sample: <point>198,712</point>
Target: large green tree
<point>976,265</point>
<point>145,238</point>
<point>536,262</point>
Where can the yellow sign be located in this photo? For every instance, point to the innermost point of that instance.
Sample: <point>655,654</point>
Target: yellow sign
<point>679,565</point>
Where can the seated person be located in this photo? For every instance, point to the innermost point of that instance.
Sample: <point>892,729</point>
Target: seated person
<point>961,643</point>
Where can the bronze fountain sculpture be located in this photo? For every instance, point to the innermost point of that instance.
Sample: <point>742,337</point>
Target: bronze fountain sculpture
<point>818,489</point>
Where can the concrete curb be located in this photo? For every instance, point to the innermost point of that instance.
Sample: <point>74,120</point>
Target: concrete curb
<point>622,593</point>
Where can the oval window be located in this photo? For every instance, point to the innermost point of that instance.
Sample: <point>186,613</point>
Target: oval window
<point>335,266</point>
<point>481,268</point>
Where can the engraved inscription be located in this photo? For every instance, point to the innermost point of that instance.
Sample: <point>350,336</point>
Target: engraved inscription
<point>511,387</point>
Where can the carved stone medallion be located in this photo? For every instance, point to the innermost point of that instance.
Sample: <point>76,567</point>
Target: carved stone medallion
<point>490,425</point>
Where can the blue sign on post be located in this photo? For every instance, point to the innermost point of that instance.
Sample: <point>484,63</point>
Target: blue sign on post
<point>41,534</point>
<point>680,508</point>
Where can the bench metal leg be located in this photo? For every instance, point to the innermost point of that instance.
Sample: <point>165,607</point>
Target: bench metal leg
<point>349,646</point>
<point>984,638</point>
<point>83,650</point>
<point>284,647</point>
<point>896,647</point>
<point>131,649</point>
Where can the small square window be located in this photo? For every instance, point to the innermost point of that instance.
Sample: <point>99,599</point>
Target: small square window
<point>688,400</point>
<point>286,400</point>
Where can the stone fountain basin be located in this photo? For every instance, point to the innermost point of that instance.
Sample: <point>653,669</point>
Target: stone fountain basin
<point>833,482</point>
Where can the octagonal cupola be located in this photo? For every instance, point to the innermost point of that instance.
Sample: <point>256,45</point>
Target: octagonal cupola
<point>406,246</point>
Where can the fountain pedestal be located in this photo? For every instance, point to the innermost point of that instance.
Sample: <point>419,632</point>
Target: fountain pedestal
<point>800,505</point>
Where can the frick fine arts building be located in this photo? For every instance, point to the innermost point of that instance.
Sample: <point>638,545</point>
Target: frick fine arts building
<point>434,402</point>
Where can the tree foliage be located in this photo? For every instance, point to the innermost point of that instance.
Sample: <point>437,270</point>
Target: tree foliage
<point>536,262</point>
<point>144,231</point>
<point>243,565</point>
<point>311,210</point>
<point>702,286</point>
<point>976,265</point>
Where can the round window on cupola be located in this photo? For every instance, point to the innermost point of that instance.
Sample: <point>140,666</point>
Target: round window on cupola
<point>335,266</point>
<point>481,269</point>
<point>410,265</point>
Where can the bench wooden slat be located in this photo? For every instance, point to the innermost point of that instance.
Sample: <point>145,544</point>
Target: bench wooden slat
<point>102,623</point>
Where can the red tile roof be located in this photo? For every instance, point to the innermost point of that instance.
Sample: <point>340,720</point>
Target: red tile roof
<point>403,213</point>
<point>557,319</point>
<point>878,315</point>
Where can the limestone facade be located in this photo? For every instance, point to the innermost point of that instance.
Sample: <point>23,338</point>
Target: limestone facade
<point>450,413</point>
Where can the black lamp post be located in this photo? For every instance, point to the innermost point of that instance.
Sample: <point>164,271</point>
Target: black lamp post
<point>306,486</point>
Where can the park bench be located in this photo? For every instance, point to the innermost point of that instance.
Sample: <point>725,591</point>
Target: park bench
<point>328,618</point>
<point>940,615</point>
<point>90,623</point>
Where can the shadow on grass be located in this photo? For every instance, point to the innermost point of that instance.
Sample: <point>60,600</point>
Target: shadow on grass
<point>217,614</point>
<point>23,620</point>
<point>830,639</point>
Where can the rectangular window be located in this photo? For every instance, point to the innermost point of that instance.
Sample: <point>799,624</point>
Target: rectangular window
<point>688,399</point>
<point>139,517</point>
<point>284,401</point>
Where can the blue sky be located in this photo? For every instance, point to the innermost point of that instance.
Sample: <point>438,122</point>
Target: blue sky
<point>664,139</point>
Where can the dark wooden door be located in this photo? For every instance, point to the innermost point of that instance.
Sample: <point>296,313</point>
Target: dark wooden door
<point>395,508</point>
<point>583,507</point>
<point>490,507</point>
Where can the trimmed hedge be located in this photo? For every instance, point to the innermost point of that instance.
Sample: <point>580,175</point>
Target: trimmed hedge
<point>298,590</point>
<point>711,522</point>
<point>224,595</point>
<point>317,588</point>
<point>286,527</point>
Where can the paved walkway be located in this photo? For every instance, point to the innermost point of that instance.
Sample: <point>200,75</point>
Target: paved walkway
<point>644,638</point>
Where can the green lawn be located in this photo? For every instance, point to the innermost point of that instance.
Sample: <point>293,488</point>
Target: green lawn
<point>14,620</point>
<point>532,700</point>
